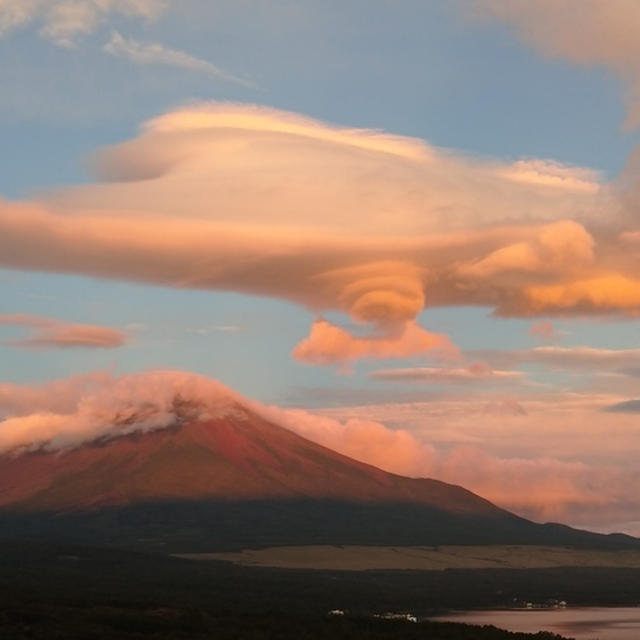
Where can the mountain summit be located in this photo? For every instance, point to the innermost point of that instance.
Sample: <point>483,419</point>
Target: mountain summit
<point>179,462</point>
<point>238,455</point>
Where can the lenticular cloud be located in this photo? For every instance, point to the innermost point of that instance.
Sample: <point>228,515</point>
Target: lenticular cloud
<point>255,200</point>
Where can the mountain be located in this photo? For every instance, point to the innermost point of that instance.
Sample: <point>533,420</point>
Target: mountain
<point>237,479</point>
<point>238,456</point>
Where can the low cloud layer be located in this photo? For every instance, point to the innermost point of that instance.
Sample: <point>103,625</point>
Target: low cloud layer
<point>581,359</point>
<point>545,456</point>
<point>526,453</point>
<point>476,372</point>
<point>48,333</point>
<point>255,200</point>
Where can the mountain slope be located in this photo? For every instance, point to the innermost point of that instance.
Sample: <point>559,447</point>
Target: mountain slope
<point>236,480</point>
<point>240,456</point>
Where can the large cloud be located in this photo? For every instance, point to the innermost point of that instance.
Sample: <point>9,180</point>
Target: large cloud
<point>255,200</point>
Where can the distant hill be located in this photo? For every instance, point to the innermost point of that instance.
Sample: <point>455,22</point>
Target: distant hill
<point>240,480</point>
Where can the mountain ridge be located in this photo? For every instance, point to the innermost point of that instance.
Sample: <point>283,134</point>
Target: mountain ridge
<point>240,456</point>
<point>233,479</point>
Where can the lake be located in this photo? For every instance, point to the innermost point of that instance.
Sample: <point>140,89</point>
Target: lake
<point>581,623</point>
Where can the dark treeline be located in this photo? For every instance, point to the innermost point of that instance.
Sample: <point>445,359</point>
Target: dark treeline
<point>39,621</point>
<point>81,592</point>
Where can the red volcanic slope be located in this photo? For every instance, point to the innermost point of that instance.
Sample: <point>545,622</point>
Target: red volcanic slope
<point>239,457</point>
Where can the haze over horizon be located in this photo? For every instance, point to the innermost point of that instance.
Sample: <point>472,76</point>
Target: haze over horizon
<point>409,230</point>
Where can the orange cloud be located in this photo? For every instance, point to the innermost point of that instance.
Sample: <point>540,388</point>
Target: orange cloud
<point>560,247</point>
<point>612,292</point>
<point>52,333</point>
<point>255,200</point>
<point>327,344</point>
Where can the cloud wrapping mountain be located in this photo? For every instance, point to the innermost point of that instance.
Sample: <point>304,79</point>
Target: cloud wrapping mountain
<point>512,452</point>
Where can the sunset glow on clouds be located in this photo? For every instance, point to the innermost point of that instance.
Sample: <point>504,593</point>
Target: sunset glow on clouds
<point>424,227</point>
<point>465,442</point>
<point>431,238</point>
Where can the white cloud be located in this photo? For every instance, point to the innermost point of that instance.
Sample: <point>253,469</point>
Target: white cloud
<point>157,54</point>
<point>62,21</point>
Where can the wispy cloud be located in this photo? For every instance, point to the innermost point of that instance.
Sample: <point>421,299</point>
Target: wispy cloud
<point>216,328</point>
<point>583,359</point>
<point>51,333</point>
<point>62,21</point>
<point>476,372</point>
<point>157,54</point>
<point>545,331</point>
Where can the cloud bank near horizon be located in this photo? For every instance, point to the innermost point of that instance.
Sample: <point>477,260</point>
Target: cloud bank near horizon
<point>511,452</point>
<point>255,200</point>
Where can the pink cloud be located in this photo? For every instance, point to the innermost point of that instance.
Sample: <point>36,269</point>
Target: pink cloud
<point>51,333</point>
<point>328,344</point>
<point>544,330</point>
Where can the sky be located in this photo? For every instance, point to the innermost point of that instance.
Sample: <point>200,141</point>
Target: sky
<point>408,230</point>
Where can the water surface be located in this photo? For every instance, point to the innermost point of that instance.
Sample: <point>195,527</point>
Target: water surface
<point>581,623</point>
